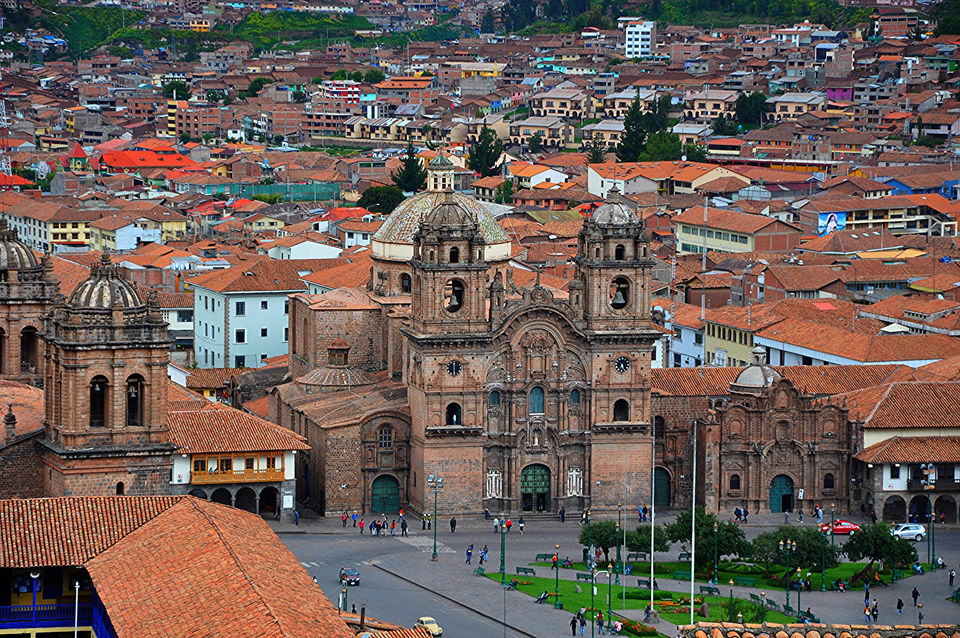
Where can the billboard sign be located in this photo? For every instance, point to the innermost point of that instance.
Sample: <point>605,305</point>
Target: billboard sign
<point>830,223</point>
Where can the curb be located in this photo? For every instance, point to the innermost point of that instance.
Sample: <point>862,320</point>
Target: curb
<point>455,602</point>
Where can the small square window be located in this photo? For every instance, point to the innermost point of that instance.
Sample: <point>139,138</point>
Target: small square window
<point>264,305</point>
<point>263,332</point>
<point>241,308</point>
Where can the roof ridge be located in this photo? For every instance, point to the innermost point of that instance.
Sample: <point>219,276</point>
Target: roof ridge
<point>883,397</point>
<point>228,546</point>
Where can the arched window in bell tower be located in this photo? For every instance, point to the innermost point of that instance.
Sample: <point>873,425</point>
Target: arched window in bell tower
<point>453,295</point>
<point>134,400</point>
<point>454,255</point>
<point>619,293</point>
<point>405,283</point>
<point>621,410</point>
<point>453,414</point>
<point>98,401</point>
<point>619,252</point>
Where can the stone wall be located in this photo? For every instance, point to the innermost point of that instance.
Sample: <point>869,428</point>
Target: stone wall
<point>21,468</point>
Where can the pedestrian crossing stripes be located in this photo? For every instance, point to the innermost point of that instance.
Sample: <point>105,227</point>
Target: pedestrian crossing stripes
<point>310,564</point>
<point>425,544</point>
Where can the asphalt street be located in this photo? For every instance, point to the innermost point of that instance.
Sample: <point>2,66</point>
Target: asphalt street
<point>399,582</point>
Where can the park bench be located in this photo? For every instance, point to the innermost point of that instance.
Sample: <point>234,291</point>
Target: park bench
<point>787,609</point>
<point>755,598</point>
<point>684,556</point>
<point>636,556</point>
<point>526,570</point>
<point>772,604</point>
<point>712,591</point>
<point>746,581</point>
<point>479,571</point>
<point>587,578</point>
<point>681,574</point>
<point>544,557</point>
<point>643,582</point>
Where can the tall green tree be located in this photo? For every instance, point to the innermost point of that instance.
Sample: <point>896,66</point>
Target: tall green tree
<point>639,540</point>
<point>663,146</point>
<point>658,117</point>
<point>373,76</point>
<point>381,199</point>
<point>731,540</point>
<point>602,534</point>
<point>811,546</point>
<point>695,152</point>
<point>634,138</point>
<point>178,88</point>
<point>596,149</point>
<point>488,24</point>
<point>255,86</point>
<point>340,74</point>
<point>723,126</point>
<point>485,154</point>
<point>411,176</point>
<point>535,143</point>
<point>876,543</point>
<point>751,107</point>
<point>505,192</point>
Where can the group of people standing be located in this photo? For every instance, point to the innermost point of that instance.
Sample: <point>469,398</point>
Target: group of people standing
<point>378,527</point>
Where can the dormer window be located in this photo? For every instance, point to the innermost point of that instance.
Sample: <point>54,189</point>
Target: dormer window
<point>337,353</point>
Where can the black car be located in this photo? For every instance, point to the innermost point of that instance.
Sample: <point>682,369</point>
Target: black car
<point>349,576</point>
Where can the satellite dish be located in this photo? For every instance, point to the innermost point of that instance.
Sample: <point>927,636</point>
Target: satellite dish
<point>683,158</point>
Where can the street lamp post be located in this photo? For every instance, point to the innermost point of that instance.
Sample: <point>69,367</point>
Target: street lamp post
<point>345,605</point>
<point>823,565</point>
<point>716,569</point>
<point>731,600</point>
<point>556,582</point>
<point>833,507</point>
<point>619,523</point>
<point>609,596</point>
<point>799,613</point>
<point>435,483</point>
<point>787,548</point>
<point>589,544</point>
<point>763,606</point>
<point>593,590</point>
<point>503,555</point>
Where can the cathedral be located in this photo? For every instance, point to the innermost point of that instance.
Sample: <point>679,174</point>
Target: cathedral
<point>523,398</point>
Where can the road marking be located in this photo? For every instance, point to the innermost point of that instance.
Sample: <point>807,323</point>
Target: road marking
<point>425,544</point>
<point>310,564</point>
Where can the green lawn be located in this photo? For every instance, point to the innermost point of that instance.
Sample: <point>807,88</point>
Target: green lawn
<point>730,571</point>
<point>675,609</point>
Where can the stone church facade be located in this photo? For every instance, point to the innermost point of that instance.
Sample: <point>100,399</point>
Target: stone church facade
<point>521,398</point>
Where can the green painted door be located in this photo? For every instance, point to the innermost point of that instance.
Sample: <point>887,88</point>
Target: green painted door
<point>535,488</point>
<point>661,487</point>
<point>385,495</point>
<point>781,493</point>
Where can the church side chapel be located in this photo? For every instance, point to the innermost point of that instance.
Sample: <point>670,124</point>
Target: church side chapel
<point>524,398</point>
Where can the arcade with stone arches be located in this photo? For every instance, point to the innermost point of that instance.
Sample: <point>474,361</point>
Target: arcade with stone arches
<point>903,507</point>
<point>263,500</point>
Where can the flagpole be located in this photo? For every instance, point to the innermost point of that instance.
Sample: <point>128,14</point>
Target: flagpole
<point>693,520</point>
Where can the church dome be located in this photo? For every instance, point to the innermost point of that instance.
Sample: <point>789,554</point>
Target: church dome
<point>757,375</point>
<point>614,210</point>
<point>449,214</point>
<point>105,289</point>
<point>14,254</point>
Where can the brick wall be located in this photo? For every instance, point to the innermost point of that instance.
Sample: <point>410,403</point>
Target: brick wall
<point>20,468</point>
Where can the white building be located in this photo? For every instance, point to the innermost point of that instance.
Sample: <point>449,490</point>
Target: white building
<point>640,38</point>
<point>686,343</point>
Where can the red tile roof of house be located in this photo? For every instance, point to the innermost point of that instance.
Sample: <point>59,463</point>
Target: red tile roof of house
<point>725,219</point>
<point>913,449</point>
<point>145,159</point>
<point>208,378</point>
<point>906,404</point>
<point>219,428</point>
<point>265,275</point>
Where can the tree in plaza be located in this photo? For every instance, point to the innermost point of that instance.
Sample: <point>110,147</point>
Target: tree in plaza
<point>634,136</point>
<point>731,540</point>
<point>596,149</point>
<point>663,146</point>
<point>381,199</point>
<point>812,545</point>
<point>723,126</point>
<point>695,152</point>
<point>639,541</point>
<point>178,88</point>
<point>876,543</point>
<point>505,192</point>
<point>535,143</point>
<point>373,76</point>
<point>751,107</point>
<point>603,534</point>
<point>412,175</point>
<point>485,154</point>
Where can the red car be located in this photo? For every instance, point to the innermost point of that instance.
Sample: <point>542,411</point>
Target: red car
<point>840,526</point>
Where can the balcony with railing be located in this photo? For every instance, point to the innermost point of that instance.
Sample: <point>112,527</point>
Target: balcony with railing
<point>239,476</point>
<point>938,485</point>
<point>66,615</point>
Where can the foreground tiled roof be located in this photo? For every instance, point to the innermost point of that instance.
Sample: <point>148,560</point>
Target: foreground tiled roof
<point>241,579</point>
<point>906,404</point>
<point>798,630</point>
<point>218,428</point>
<point>920,449</point>
<point>204,378</point>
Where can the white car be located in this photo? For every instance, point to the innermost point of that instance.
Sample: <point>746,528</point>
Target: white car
<point>912,531</point>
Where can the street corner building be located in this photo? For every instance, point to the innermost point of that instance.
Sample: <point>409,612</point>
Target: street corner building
<point>525,392</point>
<point>152,566</point>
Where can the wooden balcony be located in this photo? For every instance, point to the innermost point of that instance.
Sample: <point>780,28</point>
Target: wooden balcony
<point>239,476</point>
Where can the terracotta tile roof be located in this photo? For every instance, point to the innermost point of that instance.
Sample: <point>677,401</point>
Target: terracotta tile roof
<point>806,277</point>
<point>350,272</point>
<point>69,275</point>
<point>208,378</point>
<point>906,404</point>
<point>919,449</point>
<point>26,403</point>
<point>245,581</point>
<point>340,299</point>
<point>219,428</point>
<point>944,370</point>
<point>725,219</point>
<point>817,380</point>
<point>686,315</point>
<point>179,398</point>
<point>265,275</point>
<point>258,407</point>
<point>51,532</point>
<point>850,241</point>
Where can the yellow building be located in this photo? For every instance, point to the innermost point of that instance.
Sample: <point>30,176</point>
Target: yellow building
<point>262,223</point>
<point>200,25</point>
<point>728,333</point>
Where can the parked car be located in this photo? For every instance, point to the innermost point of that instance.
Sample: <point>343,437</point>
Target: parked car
<point>430,625</point>
<point>913,531</point>
<point>349,576</point>
<point>840,526</point>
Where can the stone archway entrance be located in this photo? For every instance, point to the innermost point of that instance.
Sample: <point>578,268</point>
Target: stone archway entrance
<point>781,494</point>
<point>661,487</point>
<point>946,507</point>
<point>919,509</point>
<point>535,488</point>
<point>895,509</point>
<point>385,495</point>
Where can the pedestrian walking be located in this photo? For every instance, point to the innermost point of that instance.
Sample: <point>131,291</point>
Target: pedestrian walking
<point>296,517</point>
<point>952,575</point>
<point>873,517</point>
<point>639,513</point>
<point>786,518</point>
<point>423,522</point>
<point>343,518</point>
<point>469,553</point>
<point>520,523</point>
<point>899,606</point>
<point>403,527</point>
<point>563,513</point>
<point>746,513</point>
<point>496,524</point>
<point>354,518</point>
<point>800,514</point>
<point>600,623</point>
<point>453,524</point>
<point>393,527</point>
<point>916,596</point>
<point>583,623</point>
<point>482,554</point>
<point>875,611</point>
<point>509,524</point>
<point>361,526</point>
<point>429,521</point>
<point>573,625</point>
<point>866,613</point>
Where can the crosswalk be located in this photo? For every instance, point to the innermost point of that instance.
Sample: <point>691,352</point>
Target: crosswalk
<point>310,563</point>
<point>425,544</point>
